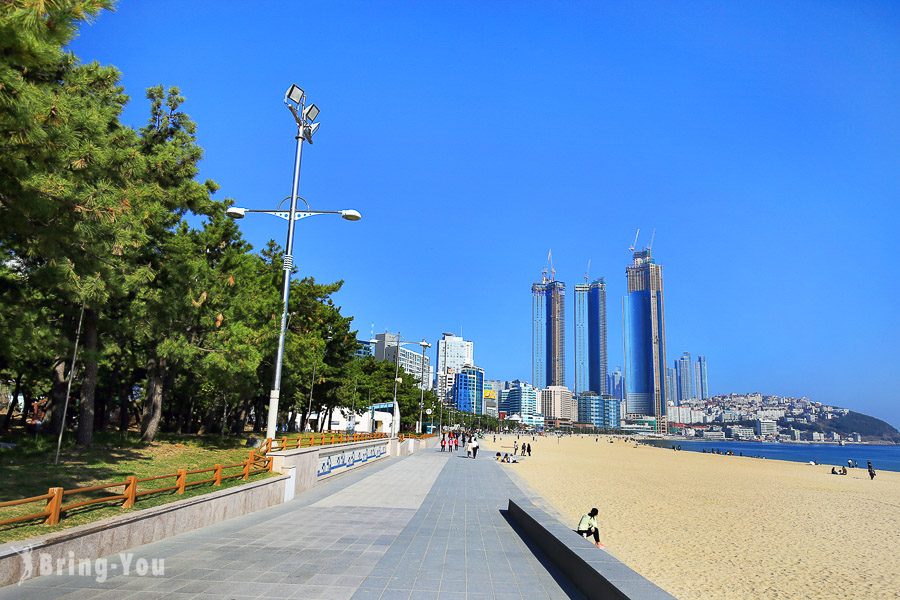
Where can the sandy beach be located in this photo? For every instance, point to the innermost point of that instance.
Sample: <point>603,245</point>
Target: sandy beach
<point>709,526</point>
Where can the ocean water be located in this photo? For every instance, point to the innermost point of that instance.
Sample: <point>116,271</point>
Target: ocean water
<point>883,457</point>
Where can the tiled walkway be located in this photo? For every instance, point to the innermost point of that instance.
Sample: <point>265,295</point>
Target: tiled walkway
<point>426,526</point>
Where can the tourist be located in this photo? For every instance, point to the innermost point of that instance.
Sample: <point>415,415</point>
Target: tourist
<point>529,449</point>
<point>443,443</point>
<point>469,450</point>
<point>843,470</point>
<point>834,471</point>
<point>871,470</point>
<point>588,527</point>
<point>474,445</point>
<point>515,447</point>
<point>456,442</point>
<point>498,457</point>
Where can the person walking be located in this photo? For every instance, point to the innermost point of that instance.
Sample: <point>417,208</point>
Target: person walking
<point>871,470</point>
<point>469,450</point>
<point>588,527</point>
<point>456,442</point>
<point>474,448</point>
<point>515,447</point>
<point>443,443</point>
<point>529,449</point>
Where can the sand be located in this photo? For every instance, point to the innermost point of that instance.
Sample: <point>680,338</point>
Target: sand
<point>710,526</point>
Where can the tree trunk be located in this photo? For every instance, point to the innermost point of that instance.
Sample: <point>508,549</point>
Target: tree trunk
<point>12,404</point>
<point>124,393</point>
<point>330,416</point>
<point>57,396</point>
<point>156,375</point>
<point>89,383</point>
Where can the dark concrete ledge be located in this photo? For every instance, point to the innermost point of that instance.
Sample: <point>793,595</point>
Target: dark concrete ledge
<point>594,572</point>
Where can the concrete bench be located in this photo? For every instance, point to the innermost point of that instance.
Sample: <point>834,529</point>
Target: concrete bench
<point>594,572</point>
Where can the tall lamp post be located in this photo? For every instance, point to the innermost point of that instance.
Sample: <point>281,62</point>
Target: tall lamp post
<point>396,426</point>
<point>304,115</point>
<point>424,345</point>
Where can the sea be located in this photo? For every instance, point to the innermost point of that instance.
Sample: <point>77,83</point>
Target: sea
<point>883,457</point>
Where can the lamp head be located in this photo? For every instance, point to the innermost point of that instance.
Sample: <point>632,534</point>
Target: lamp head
<point>294,94</point>
<point>309,131</point>
<point>351,215</point>
<point>235,212</point>
<point>310,112</point>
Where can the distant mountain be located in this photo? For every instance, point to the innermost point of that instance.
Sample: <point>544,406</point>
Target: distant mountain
<point>870,428</point>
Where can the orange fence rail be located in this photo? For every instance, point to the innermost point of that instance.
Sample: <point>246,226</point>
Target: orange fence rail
<point>318,439</point>
<point>129,492</point>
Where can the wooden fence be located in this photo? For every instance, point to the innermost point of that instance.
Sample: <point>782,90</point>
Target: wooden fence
<point>130,490</point>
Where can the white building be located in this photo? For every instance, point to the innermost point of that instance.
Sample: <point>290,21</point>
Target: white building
<point>452,353</point>
<point>386,348</point>
<point>713,434</point>
<point>343,419</point>
<point>765,428</point>
<point>740,433</point>
<point>558,402</point>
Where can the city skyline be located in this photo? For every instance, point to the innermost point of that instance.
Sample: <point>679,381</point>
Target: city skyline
<point>753,132</point>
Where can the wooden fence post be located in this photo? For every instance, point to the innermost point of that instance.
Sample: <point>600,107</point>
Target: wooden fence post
<point>268,445</point>
<point>271,464</point>
<point>247,465</point>
<point>283,443</point>
<point>53,505</point>
<point>130,491</point>
<point>181,480</point>
<point>218,475</point>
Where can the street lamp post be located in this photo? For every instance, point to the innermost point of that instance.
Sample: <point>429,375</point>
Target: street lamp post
<point>424,345</point>
<point>304,115</point>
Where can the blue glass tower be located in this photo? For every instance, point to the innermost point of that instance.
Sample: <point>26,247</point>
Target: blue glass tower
<point>468,389</point>
<point>548,333</point>
<point>590,338</point>
<point>645,339</point>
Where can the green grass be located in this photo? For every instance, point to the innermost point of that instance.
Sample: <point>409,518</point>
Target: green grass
<point>28,470</point>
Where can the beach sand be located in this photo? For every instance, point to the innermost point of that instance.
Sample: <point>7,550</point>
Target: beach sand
<point>710,526</point>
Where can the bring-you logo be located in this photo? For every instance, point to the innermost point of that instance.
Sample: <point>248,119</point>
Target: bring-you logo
<point>42,564</point>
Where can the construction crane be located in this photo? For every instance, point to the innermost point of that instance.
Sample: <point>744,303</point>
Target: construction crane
<point>652,237</point>
<point>587,274</point>
<point>634,243</point>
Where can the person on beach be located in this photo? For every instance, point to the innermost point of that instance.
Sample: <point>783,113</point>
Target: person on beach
<point>515,447</point>
<point>529,449</point>
<point>588,527</point>
<point>871,470</point>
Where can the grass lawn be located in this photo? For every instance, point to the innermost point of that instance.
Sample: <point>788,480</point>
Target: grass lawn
<point>28,470</point>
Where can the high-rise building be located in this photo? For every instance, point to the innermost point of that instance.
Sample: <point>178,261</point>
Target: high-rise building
<point>468,389</point>
<point>616,384</point>
<point>671,386</point>
<point>603,412</point>
<point>548,332</point>
<point>453,352</point>
<point>521,399</point>
<point>557,402</point>
<point>590,337</point>
<point>684,373</point>
<point>386,348</point>
<point>702,381</point>
<point>645,339</point>
<point>364,348</point>
<point>491,398</point>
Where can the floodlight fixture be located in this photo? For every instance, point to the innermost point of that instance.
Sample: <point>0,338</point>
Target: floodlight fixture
<point>310,113</point>
<point>235,212</point>
<point>294,94</point>
<point>309,131</point>
<point>350,214</point>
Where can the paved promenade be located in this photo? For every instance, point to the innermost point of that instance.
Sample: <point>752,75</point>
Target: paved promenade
<point>426,526</point>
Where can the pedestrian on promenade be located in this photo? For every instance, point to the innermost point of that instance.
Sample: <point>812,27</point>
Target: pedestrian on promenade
<point>529,449</point>
<point>469,450</point>
<point>456,443</point>
<point>588,527</point>
<point>443,443</point>
<point>871,470</point>
<point>474,448</point>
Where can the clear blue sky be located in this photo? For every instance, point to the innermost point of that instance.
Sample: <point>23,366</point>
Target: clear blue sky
<point>760,140</point>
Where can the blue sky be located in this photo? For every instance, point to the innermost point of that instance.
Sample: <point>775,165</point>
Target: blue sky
<point>761,140</point>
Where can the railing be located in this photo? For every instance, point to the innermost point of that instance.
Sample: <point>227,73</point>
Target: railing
<point>415,436</point>
<point>317,439</point>
<point>54,508</point>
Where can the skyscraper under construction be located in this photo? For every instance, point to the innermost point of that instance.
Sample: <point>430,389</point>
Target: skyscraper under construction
<point>548,331</point>
<point>645,339</point>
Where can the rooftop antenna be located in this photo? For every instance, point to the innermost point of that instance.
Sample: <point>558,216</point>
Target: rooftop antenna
<point>634,243</point>
<point>550,260</point>
<point>587,274</point>
<point>652,237</point>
